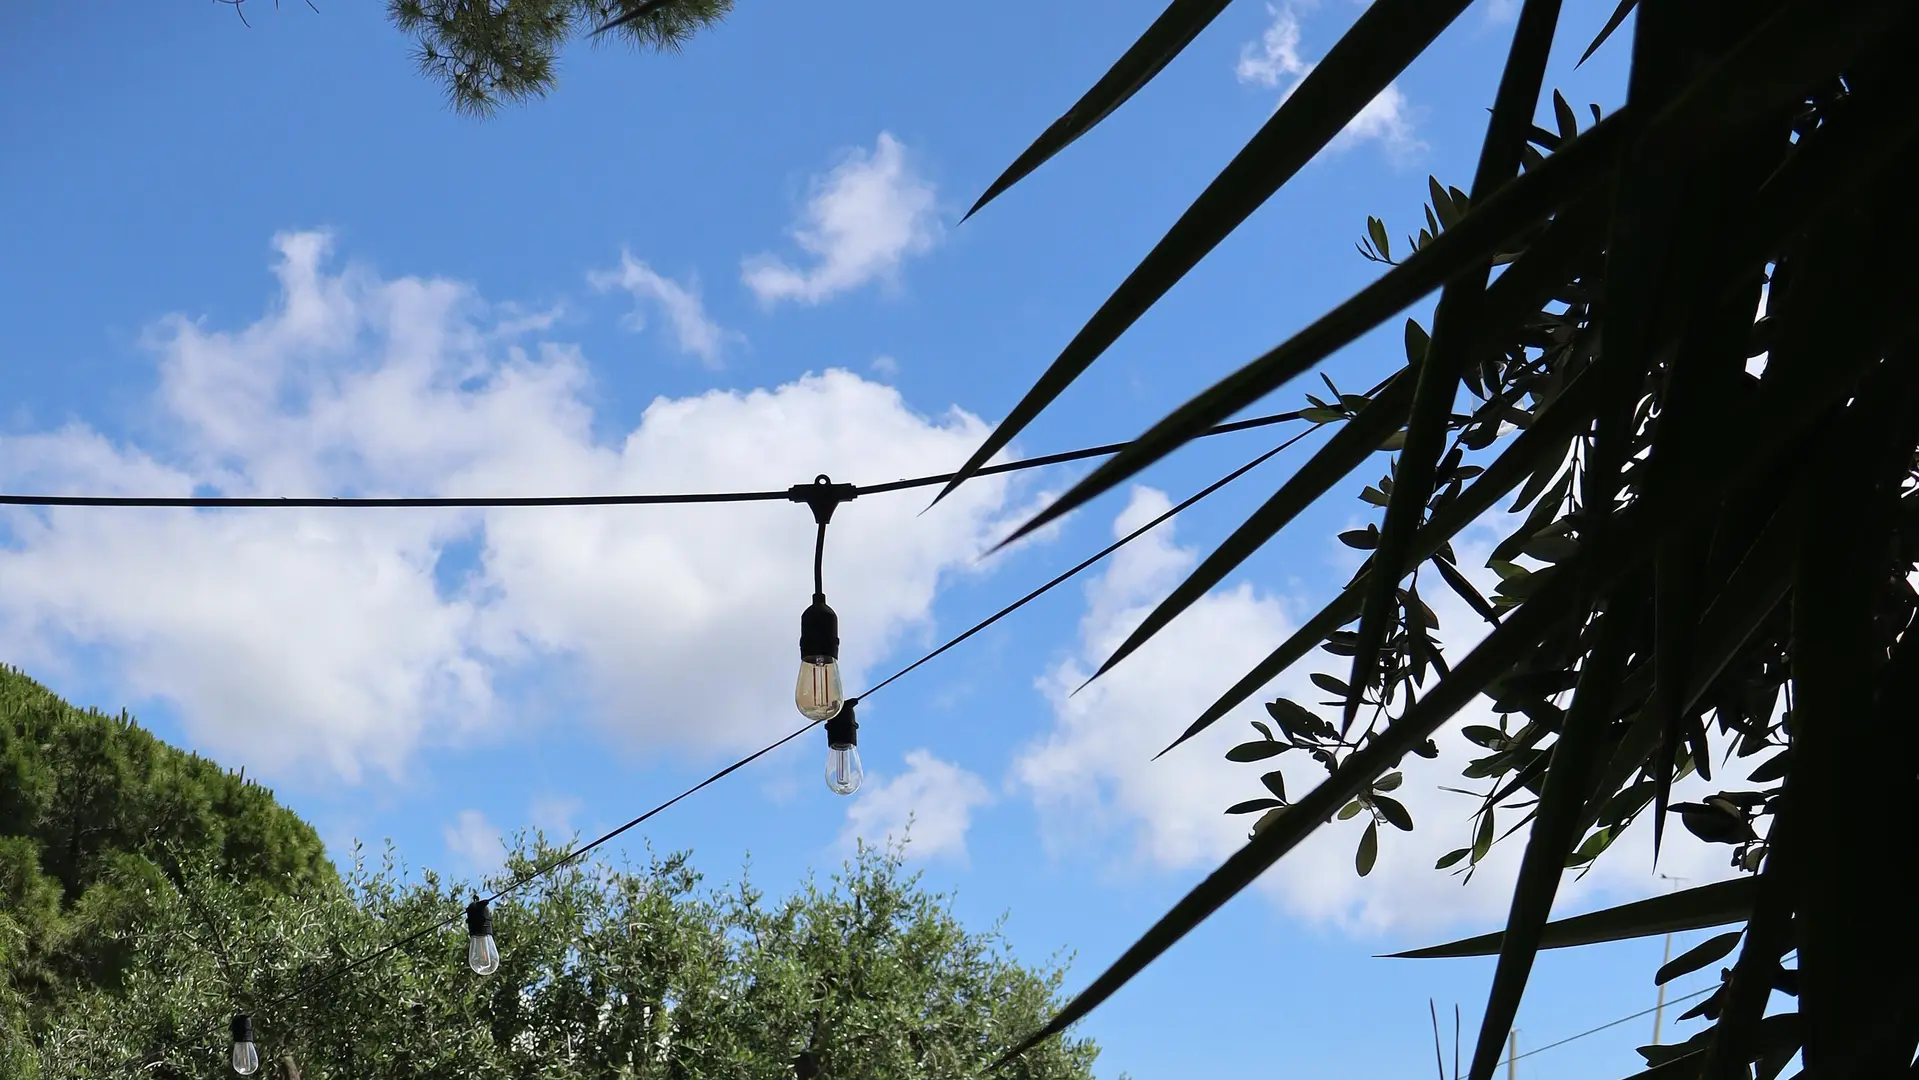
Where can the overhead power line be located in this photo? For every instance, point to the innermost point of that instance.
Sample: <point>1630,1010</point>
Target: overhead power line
<point>1611,1024</point>
<point>212,502</point>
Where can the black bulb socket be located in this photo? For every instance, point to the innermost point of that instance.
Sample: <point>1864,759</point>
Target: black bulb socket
<point>479,919</point>
<point>819,631</point>
<point>242,1028</point>
<point>843,730</point>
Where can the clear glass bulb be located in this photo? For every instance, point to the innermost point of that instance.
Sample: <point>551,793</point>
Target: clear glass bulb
<point>818,692</point>
<point>482,955</point>
<point>843,771</point>
<point>246,1058</point>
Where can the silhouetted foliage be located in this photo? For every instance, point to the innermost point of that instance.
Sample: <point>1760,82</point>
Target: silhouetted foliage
<point>1685,336</point>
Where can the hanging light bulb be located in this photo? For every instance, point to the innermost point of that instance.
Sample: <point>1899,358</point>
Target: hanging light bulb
<point>246,1056</point>
<point>818,693</point>
<point>482,955</point>
<point>843,771</point>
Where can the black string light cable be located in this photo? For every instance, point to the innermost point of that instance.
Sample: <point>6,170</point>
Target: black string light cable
<point>818,625</point>
<point>199,502</point>
<point>1570,1038</point>
<point>477,913</point>
<point>1096,557</point>
<point>1702,992</point>
<point>1613,1023</point>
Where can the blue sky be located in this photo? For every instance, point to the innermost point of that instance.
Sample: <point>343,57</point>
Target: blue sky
<point>270,261</point>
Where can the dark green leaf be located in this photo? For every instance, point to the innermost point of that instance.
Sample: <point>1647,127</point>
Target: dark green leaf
<point>1417,343</point>
<point>1563,116</point>
<point>1267,819</point>
<point>1451,858</point>
<point>1688,909</point>
<point>1612,23</point>
<point>1255,751</point>
<point>1595,844</point>
<point>1551,549</point>
<point>1706,952</point>
<point>1251,806</point>
<point>1376,229</point>
<point>1368,852</point>
<point>1275,783</point>
<point>1489,737</point>
<point>1772,768</point>
<point>1394,813</point>
<point>1175,28</point>
<point>1464,589</point>
<point>1328,683</point>
<point>1292,717</point>
<point>1483,839</point>
<point>1442,203</point>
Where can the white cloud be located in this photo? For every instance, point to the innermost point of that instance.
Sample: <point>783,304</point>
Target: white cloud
<point>1275,61</point>
<point>863,220</point>
<point>885,366</point>
<point>1275,57</point>
<point>1092,774</point>
<point>933,800</point>
<point>693,329</point>
<point>554,814</point>
<point>309,643</point>
<point>475,842</point>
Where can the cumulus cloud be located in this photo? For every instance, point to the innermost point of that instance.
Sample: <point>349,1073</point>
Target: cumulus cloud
<point>693,330</point>
<point>1092,775</point>
<point>1275,62</point>
<point>932,800</point>
<point>865,218</point>
<point>475,842</point>
<point>325,642</point>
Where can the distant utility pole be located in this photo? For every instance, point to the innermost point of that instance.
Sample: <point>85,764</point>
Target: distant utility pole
<point>1512,1053</point>
<point>1659,1010</point>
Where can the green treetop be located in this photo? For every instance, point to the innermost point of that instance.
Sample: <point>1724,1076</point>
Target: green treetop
<point>489,54</point>
<point>95,813</point>
<point>605,973</point>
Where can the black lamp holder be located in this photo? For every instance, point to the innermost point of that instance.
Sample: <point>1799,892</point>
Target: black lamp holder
<point>844,729</point>
<point>819,625</point>
<point>479,919</point>
<point>242,1028</point>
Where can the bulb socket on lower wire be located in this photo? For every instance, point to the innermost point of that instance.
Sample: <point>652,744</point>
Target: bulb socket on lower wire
<point>843,769</point>
<point>482,954</point>
<point>246,1056</point>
